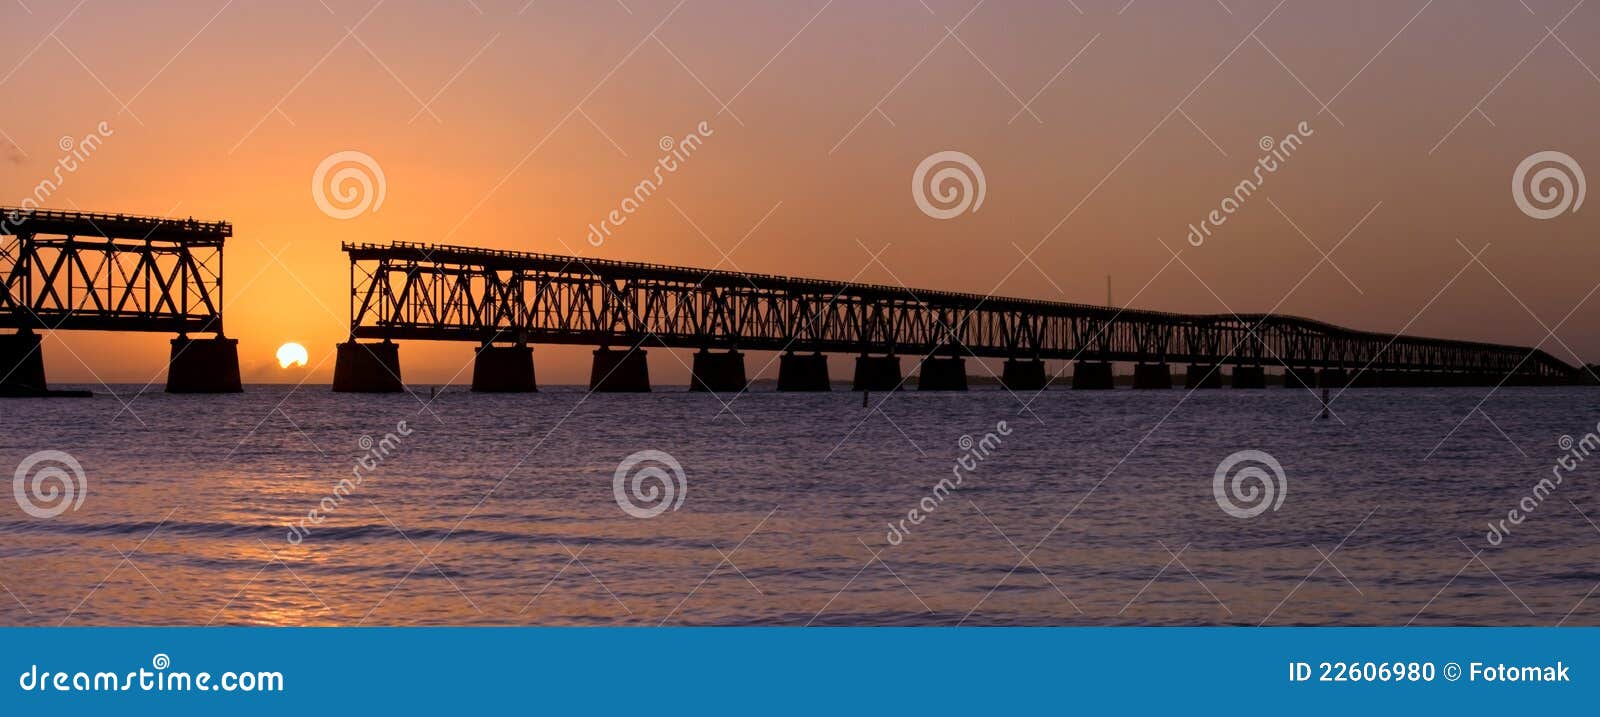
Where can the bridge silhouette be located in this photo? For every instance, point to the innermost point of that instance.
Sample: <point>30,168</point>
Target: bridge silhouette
<point>121,272</point>
<point>506,301</point>
<point>114,272</point>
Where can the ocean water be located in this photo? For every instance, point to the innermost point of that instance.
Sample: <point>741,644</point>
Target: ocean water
<point>1085,508</point>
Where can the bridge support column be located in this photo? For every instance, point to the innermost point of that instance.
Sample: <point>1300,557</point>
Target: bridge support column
<point>876,373</point>
<point>619,371</point>
<point>1198,375</point>
<point>803,372</point>
<point>1024,375</point>
<point>1152,375</point>
<point>718,372</point>
<point>1249,377</point>
<point>504,369</point>
<point>1092,376</point>
<point>367,368</point>
<point>1368,379</point>
<point>1299,377</point>
<point>942,373</point>
<point>21,363</point>
<point>204,366</point>
<point>1333,378</point>
<point>1414,379</point>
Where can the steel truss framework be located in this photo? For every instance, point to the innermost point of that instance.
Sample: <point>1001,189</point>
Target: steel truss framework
<point>110,272</point>
<point>438,292</point>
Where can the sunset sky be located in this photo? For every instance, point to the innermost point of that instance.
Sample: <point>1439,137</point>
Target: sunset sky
<point>1104,128</point>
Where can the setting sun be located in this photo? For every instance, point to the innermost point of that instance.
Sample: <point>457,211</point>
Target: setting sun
<point>292,354</point>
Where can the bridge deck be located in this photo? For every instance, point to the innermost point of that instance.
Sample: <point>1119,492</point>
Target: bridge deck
<point>442,292</point>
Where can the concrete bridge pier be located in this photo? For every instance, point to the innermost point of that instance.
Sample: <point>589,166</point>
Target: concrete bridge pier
<point>21,362</point>
<point>504,369</point>
<point>619,371</point>
<point>876,373</point>
<point>1299,377</point>
<point>1024,375</point>
<point>1249,377</point>
<point>367,368</point>
<point>1371,378</point>
<point>1092,376</point>
<point>803,372</point>
<point>204,366</point>
<point>1395,379</point>
<point>1198,375</point>
<point>718,372</point>
<point>942,373</point>
<point>1152,375</point>
<point>1333,378</point>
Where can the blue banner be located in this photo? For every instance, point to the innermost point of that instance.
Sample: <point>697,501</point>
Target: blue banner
<point>799,671</point>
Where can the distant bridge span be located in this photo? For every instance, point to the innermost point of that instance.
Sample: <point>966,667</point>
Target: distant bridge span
<point>438,292</point>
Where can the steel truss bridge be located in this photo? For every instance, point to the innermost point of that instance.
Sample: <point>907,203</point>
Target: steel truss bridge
<point>113,272</point>
<point>440,292</point>
<point>110,272</point>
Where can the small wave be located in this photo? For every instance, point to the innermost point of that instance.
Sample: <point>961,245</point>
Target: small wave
<point>316,533</point>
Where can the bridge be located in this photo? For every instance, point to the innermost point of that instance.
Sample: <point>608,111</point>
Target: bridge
<point>113,272</point>
<point>507,301</point>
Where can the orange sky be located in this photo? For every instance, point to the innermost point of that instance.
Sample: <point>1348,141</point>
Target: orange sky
<point>540,119</point>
